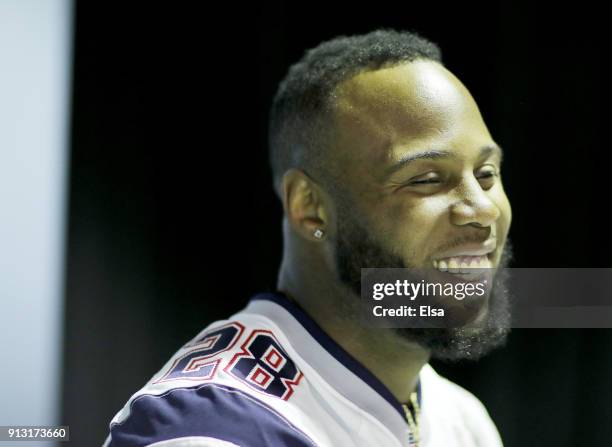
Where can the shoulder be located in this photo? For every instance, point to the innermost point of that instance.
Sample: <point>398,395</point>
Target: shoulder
<point>452,403</point>
<point>220,389</point>
<point>205,415</point>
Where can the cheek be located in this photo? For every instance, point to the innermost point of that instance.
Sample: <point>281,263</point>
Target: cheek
<point>413,223</point>
<point>505,218</point>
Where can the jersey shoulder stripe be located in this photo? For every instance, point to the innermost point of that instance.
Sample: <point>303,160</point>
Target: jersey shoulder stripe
<point>193,441</point>
<point>207,410</point>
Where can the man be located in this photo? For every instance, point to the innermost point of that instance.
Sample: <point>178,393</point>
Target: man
<point>381,159</point>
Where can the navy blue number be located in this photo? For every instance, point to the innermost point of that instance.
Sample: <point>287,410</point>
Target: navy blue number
<point>265,366</point>
<point>199,364</point>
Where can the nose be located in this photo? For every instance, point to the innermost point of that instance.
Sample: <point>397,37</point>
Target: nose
<point>474,206</point>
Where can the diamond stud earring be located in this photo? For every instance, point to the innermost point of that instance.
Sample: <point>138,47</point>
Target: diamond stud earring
<point>318,233</point>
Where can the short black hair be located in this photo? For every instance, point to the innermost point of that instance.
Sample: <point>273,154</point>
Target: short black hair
<point>297,130</point>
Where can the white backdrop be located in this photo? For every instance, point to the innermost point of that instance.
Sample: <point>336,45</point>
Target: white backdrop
<point>35,68</point>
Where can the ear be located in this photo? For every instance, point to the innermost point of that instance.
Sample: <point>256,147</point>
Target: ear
<point>304,203</point>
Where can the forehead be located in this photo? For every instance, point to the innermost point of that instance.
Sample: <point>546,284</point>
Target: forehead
<point>380,115</point>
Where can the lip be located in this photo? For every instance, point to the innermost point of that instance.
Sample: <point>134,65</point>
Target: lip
<point>474,249</point>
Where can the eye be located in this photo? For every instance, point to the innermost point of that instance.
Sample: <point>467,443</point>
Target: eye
<point>425,182</point>
<point>487,176</point>
<point>427,179</point>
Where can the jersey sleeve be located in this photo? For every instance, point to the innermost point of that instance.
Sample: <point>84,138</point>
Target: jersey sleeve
<point>208,415</point>
<point>476,418</point>
<point>481,425</point>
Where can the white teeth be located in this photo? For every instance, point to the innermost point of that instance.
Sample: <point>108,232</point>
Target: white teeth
<point>460,264</point>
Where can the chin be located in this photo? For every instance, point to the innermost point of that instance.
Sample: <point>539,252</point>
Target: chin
<point>472,334</point>
<point>455,344</point>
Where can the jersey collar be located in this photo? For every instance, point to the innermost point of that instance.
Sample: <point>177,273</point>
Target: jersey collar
<point>304,332</point>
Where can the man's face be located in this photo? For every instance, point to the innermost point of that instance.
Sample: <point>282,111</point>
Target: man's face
<point>421,180</point>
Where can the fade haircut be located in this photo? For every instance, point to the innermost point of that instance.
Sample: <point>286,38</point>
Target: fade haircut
<point>299,129</point>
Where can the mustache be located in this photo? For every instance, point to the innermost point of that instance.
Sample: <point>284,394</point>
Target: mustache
<point>474,238</point>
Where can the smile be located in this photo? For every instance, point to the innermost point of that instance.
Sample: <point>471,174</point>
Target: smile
<point>462,264</point>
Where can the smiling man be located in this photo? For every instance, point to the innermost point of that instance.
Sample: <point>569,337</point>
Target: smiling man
<point>381,158</point>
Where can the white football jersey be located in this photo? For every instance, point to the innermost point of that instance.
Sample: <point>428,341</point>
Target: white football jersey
<point>269,376</point>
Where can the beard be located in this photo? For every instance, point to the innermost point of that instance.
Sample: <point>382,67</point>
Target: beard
<point>356,249</point>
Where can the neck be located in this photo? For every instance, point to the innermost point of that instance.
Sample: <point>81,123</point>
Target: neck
<point>393,360</point>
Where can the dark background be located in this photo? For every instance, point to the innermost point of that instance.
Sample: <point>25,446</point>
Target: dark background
<point>173,222</point>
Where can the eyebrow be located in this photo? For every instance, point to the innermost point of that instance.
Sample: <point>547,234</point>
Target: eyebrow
<point>433,154</point>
